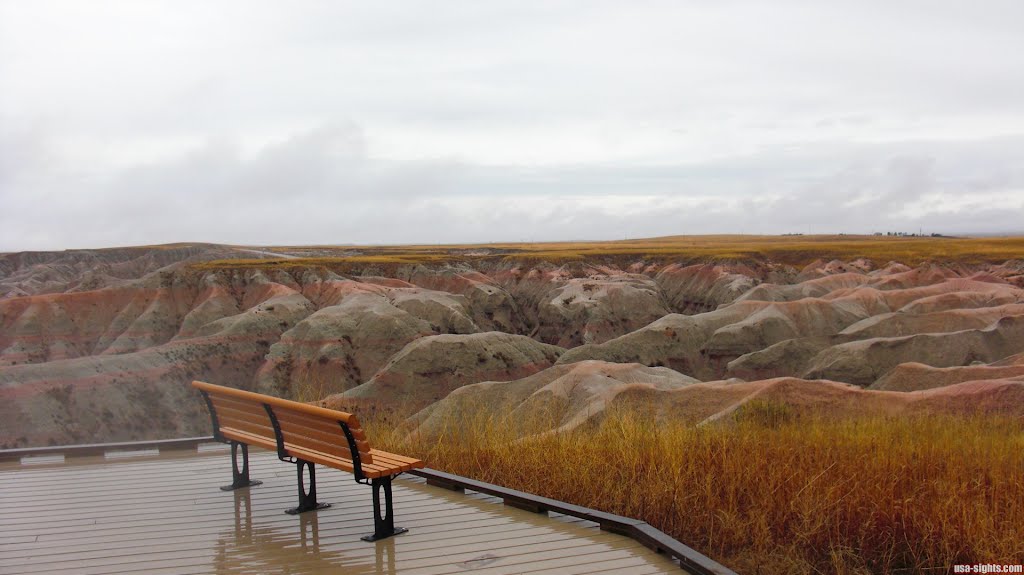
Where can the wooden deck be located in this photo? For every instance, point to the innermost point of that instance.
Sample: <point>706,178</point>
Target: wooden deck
<point>163,513</point>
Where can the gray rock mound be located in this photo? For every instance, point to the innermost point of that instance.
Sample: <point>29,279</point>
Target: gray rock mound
<point>594,310</point>
<point>559,398</point>
<point>863,362</point>
<point>429,368</point>
<point>338,347</point>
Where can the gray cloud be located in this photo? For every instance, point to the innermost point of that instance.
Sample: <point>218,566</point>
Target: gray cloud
<point>320,187</point>
<point>337,122</point>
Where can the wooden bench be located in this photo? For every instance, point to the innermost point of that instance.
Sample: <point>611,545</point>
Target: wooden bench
<point>304,435</point>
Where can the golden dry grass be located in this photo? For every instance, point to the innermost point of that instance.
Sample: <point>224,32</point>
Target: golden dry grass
<point>791,250</point>
<point>769,492</point>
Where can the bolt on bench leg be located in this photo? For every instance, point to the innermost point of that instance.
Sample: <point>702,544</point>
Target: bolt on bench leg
<point>307,499</point>
<point>239,477</point>
<point>383,526</point>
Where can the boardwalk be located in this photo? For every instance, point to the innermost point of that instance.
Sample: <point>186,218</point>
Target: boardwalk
<point>163,513</point>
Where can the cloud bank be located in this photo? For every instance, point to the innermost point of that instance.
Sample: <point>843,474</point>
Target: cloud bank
<point>331,122</point>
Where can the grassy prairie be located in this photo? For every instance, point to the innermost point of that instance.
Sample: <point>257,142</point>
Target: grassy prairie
<point>790,250</point>
<point>769,492</point>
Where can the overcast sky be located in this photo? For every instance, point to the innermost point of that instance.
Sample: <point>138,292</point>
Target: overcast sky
<point>246,122</point>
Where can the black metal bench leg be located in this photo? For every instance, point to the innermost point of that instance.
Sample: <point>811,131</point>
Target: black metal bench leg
<point>239,477</point>
<point>383,526</point>
<point>307,499</point>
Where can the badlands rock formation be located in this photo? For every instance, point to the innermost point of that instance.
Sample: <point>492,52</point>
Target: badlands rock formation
<point>429,368</point>
<point>559,398</point>
<point>99,345</point>
<point>568,396</point>
<point>913,376</point>
<point>843,334</point>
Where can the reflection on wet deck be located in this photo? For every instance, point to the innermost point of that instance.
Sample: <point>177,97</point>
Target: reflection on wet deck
<point>164,514</point>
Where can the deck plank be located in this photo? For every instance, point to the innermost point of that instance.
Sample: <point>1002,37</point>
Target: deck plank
<point>165,513</point>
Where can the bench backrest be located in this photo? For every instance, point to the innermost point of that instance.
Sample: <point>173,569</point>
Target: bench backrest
<point>257,418</point>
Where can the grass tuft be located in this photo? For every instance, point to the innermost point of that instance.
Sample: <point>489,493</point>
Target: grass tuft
<point>767,492</point>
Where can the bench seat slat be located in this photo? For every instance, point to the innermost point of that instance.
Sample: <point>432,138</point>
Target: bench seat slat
<point>390,460</point>
<point>324,428</point>
<point>276,402</point>
<point>263,431</point>
<point>322,458</point>
<point>395,457</point>
<point>253,410</point>
<point>235,403</point>
<point>322,441</point>
<point>250,427</point>
<point>225,414</point>
<point>322,435</point>
<point>336,446</point>
<point>248,438</point>
<point>382,459</point>
<point>371,470</point>
<point>316,456</point>
<point>315,423</point>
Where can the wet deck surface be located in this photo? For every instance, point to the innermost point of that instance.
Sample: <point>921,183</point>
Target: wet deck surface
<point>164,513</point>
